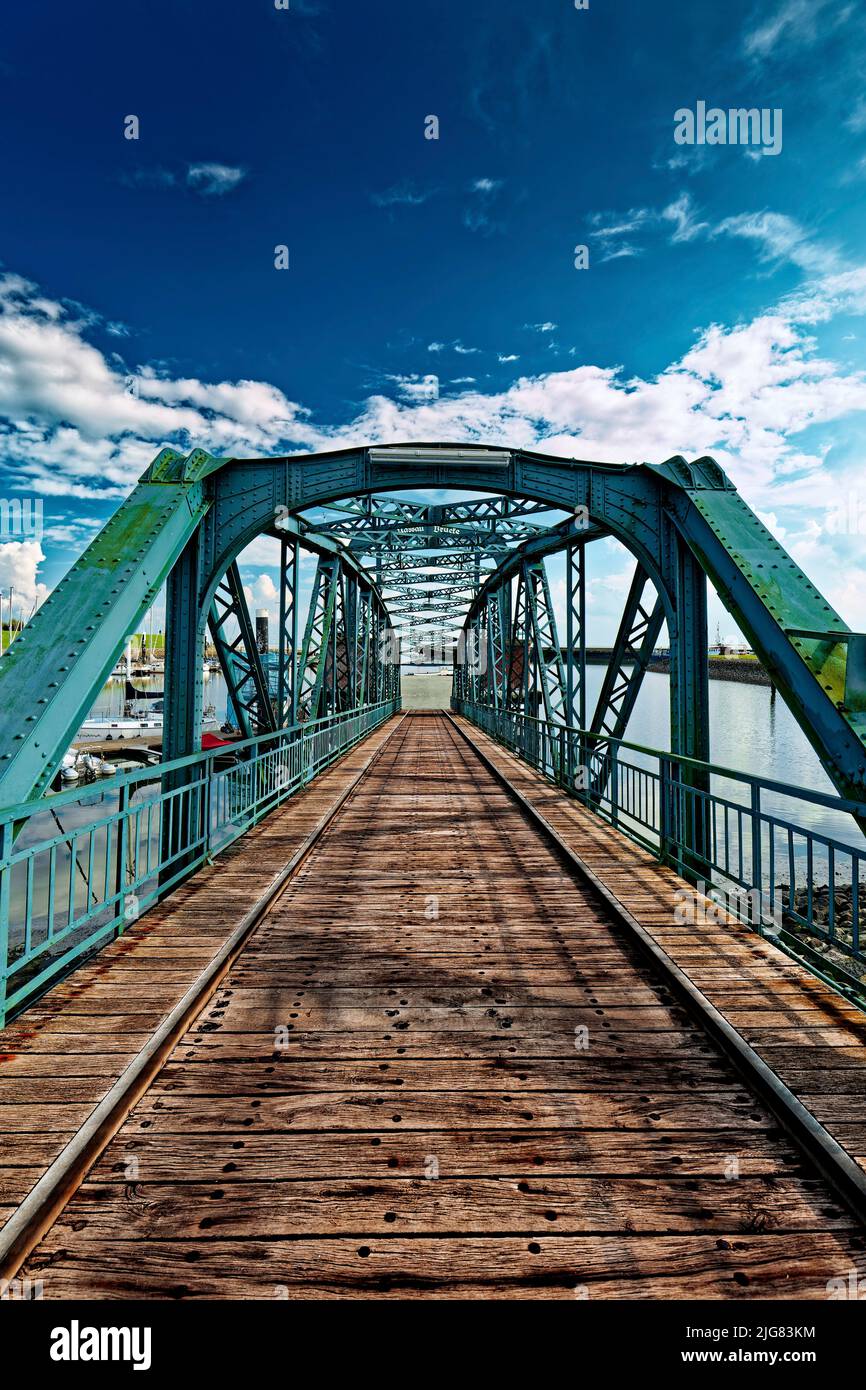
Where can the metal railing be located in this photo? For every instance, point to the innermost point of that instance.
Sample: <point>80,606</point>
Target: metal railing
<point>77,867</point>
<point>727,831</point>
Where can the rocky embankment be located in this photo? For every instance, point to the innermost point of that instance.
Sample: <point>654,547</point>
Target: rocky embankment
<point>725,669</point>
<point>842,921</point>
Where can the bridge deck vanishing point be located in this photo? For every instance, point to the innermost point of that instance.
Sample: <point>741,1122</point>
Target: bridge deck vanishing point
<point>437,1066</point>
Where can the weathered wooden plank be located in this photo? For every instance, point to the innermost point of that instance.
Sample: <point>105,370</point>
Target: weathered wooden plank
<point>621,1267</point>
<point>244,1156</point>
<point>289,1073</point>
<point>355,1110</point>
<point>253,1079</point>
<point>279,1012</point>
<point>269,1209</point>
<point>16,1182</point>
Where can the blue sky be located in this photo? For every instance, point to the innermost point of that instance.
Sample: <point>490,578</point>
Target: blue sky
<point>432,291</point>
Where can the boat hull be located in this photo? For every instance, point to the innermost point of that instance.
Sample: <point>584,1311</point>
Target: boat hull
<point>116,730</point>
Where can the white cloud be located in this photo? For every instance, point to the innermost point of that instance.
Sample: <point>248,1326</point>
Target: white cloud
<point>264,550</point>
<point>477,215</point>
<point>486,185</point>
<point>743,393</point>
<point>77,424</point>
<point>19,566</point>
<point>265,591</point>
<point>456,346</point>
<point>214,180</point>
<point>857,119</point>
<point>793,24</point>
<point>72,531</point>
<point>209,178</point>
<point>476,220</point>
<point>745,390</point>
<point>782,238</point>
<point>622,224</point>
<point>856,172</point>
<point>402,195</point>
<point>417,388</point>
<point>681,213</point>
<point>618,253</point>
<point>148,178</point>
<point>778,238</point>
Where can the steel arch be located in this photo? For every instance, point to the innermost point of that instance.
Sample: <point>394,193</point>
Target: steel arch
<point>191,516</point>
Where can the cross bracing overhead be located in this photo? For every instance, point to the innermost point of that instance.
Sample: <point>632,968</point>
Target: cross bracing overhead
<point>473,566</point>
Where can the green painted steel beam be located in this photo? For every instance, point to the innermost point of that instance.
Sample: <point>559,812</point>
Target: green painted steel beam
<point>287,653</point>
<point>314,666</point>
<point>639,626</point>
<point>239,657</point>
<point>812,656</point>
<point>638,632</point>
<point>549,542</point>
<point>548,664</point>
<point>575,635</point>
<point>373,510</point>
<point>52,673</point>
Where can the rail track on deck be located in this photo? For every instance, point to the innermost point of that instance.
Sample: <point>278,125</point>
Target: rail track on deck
<point>444,1061</point>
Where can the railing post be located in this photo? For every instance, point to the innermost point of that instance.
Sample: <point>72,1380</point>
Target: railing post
<point>664,810</point>
<point>208,805</point>
<point>583,763</point>
<point>6,832</point>
<point>614,784</point>
<point>122,848</point>
<point>306,739</point>
<point>757,874</point>
<point>563,771</point>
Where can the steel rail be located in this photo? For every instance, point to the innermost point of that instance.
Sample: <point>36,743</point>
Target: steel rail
<point>839,1169</point>
<point>46,1200</point>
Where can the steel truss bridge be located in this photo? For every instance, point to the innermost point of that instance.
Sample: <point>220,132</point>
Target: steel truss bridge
<point>510,895</point>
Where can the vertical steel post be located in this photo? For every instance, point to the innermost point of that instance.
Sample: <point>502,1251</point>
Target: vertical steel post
<point>757,874</point>
<point>575,587</point>
<point>184,656</point>
<point>122,841</point>
<point>287,684</point>
<point>351,638</point>
<point>7,833</point>
<point>364,678</point>
<point>664,810</point>
<point>503,603</point>
<point>690,704</point>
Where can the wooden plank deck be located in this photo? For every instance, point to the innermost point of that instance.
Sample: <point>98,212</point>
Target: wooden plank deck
<point>813,1038</point>
<point>438,1070</point>
<point>60,1057</point>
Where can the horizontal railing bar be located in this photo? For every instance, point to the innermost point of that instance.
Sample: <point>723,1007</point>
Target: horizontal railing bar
<point>596,743</point>
<point>152,773</point>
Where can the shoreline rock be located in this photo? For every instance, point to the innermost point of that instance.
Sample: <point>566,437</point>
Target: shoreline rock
<point>723,669</point>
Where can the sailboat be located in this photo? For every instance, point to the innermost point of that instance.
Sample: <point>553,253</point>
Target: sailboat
<point>142,716</point>
<point>136,722</point>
